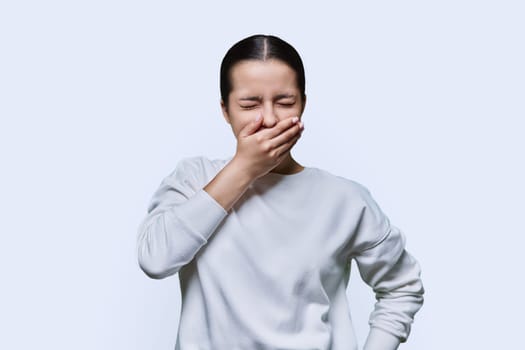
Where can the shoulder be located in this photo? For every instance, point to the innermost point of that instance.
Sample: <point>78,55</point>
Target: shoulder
<point>187,171</point>
<point>344,186</point>
<point>356,201</point>
<point>196,170</point>
<point>371,212</point>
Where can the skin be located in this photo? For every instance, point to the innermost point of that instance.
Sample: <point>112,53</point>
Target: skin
<point>265,80</point>
<point>262,146</point>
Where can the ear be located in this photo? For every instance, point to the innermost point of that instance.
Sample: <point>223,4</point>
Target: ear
<point>225,112</point>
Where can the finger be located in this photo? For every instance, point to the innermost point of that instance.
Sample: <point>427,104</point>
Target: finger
<point>251,127</point>
<point>280,127</point>
<point>284,149</point>
<point>285,136</point>
<point>287,145</point>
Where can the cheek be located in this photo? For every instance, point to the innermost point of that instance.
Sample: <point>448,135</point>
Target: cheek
<point>241,119</point>
<point>288,112</point>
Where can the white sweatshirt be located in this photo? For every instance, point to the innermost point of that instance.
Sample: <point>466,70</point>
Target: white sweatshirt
<point>271,273</point>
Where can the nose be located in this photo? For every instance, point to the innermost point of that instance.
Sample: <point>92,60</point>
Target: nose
<point>269,117</point>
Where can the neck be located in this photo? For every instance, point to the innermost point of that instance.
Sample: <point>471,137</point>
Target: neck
<point>288,166</point>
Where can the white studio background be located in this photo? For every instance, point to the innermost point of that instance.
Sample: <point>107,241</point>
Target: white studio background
<point>422,102</point>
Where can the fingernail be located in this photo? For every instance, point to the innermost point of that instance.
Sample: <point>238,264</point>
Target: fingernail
<point>301,124</point>
<point>258,117</point>
<point>295,119</point>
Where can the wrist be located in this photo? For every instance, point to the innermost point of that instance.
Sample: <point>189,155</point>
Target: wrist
<point>379,339</point>
<point>241,170</point>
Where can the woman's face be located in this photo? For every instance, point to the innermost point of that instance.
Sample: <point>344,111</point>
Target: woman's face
<point>262,87</point>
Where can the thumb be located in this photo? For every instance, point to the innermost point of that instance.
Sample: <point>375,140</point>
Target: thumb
<point>252,127</point>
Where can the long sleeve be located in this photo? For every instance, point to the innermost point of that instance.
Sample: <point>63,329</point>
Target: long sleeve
<point>180,218</point>
<point>394,275</point>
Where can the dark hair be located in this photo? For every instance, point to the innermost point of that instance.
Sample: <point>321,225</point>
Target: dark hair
<point>260,47</point>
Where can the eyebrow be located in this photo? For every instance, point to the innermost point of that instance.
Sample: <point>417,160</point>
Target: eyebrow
<point>257,98</point>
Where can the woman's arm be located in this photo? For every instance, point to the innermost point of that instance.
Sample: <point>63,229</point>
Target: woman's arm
<point>182,216</point>
<point>394,275</point>
<point>229,184</point>
<point>392,272</point>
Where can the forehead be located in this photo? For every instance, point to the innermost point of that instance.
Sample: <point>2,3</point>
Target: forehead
<point>270,75</point>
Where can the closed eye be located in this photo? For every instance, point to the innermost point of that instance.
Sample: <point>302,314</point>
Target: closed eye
<point>280,104</point>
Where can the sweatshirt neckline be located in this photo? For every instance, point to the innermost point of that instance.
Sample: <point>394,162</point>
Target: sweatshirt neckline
<point>299,174</point>
<point>282,177</point>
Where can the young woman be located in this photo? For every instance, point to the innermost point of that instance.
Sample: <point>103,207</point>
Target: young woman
<point>263,244</point>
